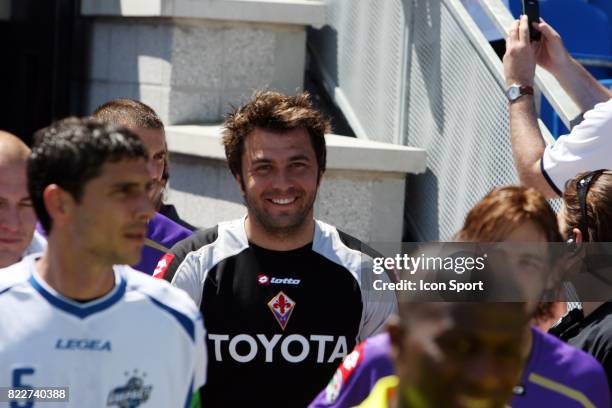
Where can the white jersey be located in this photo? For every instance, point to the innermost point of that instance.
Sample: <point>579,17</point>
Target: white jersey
<point>141,345</point>
<point>586,148</point>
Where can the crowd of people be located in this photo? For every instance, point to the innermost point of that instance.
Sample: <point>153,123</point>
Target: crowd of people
<point>275,308</point>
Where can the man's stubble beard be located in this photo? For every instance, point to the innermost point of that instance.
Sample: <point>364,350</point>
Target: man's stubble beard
<point>298,221</point>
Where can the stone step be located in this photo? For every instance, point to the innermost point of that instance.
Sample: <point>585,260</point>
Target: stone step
<point>362,191</point>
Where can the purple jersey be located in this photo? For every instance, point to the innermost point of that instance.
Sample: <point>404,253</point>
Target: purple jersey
<point>560,375</point>
<point>162,234</point>
<point>556,374</point>
<point>357,374</point>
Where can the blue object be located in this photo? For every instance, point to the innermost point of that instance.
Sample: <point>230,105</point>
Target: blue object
<point>605,6</point>
<point>558,127</point>
<point>585,30</point>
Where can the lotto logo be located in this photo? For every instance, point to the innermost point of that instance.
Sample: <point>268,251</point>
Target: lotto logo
<point>285,281</point>
<point>162,266</point>
<point>265,280</point>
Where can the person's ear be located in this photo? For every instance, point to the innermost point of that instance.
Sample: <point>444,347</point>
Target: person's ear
<point>59,204</point>
<point>577,234</point>
<point>396,334</point>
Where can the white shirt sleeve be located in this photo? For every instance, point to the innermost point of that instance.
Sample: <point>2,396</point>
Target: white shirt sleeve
<point>378,305</point>
<point>188,277</point>
<point>201,357</point>
<point>588,147</point>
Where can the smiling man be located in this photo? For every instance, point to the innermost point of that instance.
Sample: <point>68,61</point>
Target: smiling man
<point>71,316</point>
<point>17,218</point>
<point>283,294</point>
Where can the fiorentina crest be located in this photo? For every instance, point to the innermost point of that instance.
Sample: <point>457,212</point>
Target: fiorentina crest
<point>281,306</point>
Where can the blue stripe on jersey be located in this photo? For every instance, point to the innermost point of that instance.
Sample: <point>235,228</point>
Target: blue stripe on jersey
<point>184,320</point>
<point>78,310</point>
<point>3,291</point>
<point>189,395</point>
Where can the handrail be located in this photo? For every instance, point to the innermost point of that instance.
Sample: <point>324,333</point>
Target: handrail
<point>593,60</point>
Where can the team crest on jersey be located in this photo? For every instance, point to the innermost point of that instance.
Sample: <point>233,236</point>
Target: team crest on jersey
<point>130,395</point>
<point>281,306</point>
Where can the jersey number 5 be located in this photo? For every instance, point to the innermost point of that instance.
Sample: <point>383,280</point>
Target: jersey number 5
<point>18,375</point>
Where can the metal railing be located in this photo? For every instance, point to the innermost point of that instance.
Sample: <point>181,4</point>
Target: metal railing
<point>435,83</point>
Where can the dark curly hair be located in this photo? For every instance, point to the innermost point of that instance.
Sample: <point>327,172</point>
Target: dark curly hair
<point>274,112</point>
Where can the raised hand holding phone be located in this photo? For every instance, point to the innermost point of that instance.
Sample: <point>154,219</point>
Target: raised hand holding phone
<point>531,8</point>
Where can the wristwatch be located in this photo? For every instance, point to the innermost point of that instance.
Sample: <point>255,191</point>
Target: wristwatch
<point>515,91</point>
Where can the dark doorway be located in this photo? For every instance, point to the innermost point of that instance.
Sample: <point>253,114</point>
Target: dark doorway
<point>39,44</point>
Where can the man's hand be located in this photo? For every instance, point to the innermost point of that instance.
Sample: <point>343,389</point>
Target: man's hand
<point>520,57</point>
<point>551,53</point>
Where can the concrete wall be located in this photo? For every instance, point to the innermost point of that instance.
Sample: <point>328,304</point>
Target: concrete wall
<point>362,192</point>
<point>191,70</point>
<point>367,205</point>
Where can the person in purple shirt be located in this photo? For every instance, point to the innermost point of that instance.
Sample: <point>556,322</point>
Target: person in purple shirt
<point>553,372</point>
<point>166,228</point>
<point>556,374</point>
<point>147,125</point>
<point>358,374</point>
<point>162,234</point>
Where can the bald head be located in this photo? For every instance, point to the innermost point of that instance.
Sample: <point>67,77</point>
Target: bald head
<point>12,149</point>
<point>17,219</point>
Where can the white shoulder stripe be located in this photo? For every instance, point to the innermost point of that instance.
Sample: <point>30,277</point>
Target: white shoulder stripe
<point>192,272</point>
<point>231,240</point>
<point>327,242</point>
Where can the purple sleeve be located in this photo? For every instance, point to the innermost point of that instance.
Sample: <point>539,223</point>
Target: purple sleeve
<point>357,374</point>
<point>162,234</point>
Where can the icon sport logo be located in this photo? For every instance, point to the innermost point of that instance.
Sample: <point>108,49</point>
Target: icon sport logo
<point>282,307</point>
<point>263,280</point>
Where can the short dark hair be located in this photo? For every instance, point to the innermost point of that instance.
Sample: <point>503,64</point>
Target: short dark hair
<point>133,114</point>
<point>274,112</point>
<point>128,113</point>
<point>597,207</point>
<point>70,152</point>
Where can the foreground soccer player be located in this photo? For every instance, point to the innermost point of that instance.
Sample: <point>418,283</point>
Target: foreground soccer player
<point>68,317</point>
<point>284,296</point>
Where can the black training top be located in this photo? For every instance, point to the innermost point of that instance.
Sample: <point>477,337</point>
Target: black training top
<point>593,334</point>
<point>278,322</point>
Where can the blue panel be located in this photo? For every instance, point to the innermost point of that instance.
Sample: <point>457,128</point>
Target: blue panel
<point>189,395</point>
<point>81,311</point>
<point>183,319</point>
